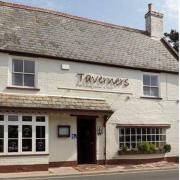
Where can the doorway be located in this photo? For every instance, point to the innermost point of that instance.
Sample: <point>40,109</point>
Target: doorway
<point>86,142</point>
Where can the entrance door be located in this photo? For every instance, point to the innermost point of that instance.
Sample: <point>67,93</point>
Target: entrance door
<point>86,144</point>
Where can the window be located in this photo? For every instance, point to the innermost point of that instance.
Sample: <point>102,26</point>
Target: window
<point>24,134</point>
<point>151,85</point>
<point>23,73</point>
<point>130,137</point>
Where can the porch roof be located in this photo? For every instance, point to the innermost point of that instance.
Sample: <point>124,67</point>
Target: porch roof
<point>52,102</point>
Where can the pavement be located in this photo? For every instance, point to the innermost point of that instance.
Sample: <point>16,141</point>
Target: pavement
<point>91,170</point>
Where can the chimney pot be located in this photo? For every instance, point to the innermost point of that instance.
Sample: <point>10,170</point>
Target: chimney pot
<point>150,7</point>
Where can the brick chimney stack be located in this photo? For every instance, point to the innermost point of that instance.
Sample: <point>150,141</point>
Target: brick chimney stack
<point>154,23</point>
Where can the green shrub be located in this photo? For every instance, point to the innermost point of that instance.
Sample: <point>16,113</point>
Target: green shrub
<point>167,148</point>
<point>144,147</point>
<point>152,148</point>
<point>125,148</point>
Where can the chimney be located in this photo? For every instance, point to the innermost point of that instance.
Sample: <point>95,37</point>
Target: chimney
<point>154,23</point>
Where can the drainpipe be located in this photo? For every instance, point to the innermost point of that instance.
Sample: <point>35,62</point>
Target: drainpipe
<point>105,121</point>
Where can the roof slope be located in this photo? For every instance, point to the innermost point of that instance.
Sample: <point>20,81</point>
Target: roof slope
<point>42,32</point>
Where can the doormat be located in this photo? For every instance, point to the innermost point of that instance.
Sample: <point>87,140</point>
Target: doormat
<point>89,167</point>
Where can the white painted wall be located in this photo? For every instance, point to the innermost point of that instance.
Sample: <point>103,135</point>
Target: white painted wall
<point>126,102</point>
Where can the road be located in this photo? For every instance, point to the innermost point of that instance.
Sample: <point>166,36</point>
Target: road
<point>143,175</point>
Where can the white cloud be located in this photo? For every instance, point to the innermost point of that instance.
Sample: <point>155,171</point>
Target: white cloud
<point>171,7</point>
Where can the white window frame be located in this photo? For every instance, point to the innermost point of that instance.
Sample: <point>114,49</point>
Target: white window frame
<point>10,71</point>
<point>19,123</point>
<point>159,87</point>
<point>146,134</point>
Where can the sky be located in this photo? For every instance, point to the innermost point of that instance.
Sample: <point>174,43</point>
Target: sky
<point>128,13</point>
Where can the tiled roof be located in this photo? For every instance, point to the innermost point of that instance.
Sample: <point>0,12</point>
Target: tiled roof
<point>52,102</point>
<point>43,32</point>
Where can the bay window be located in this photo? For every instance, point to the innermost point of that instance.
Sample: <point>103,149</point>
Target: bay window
<point>23,134</point>
<point>130,137</point>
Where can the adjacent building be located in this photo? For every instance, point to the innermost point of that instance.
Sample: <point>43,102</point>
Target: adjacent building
<point>75,90</point>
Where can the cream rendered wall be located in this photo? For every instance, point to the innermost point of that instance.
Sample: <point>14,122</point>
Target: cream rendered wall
<point>125,101</point>
<point>62,149</point>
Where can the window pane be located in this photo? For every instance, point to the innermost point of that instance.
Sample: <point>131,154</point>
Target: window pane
<point>17,66</point>
<point>1,131</point>
<point>148,137</point>
<point>153,131</point>
<point>121,138</point>
<point>26,131</point>
<point>143,137</point>
<point>143,130</point>
<point>133,131</point>
<point>148,130</point>
<point>29,66</point>
<point>153,137</point>
<point>13,145</point>
<point>154,91</point>
<point>128,145</point>
<point>40,144</point>
<point>1,145</point>
<point>27,145</point>
<point>133,138</point>
<point>40,119</point>
<point>17,79</point>
<point>121,145</point>
<point>12,131</point>
<point>146,79</point>
<point>28,80</point>
<point>12,118</point>
<point>1,117</point>
<point>127,138</point>
<point>138,138</point>
<point>127,131</point>
<point>27,118</point>
<point>138,130</point>
<point>121,131</point>
<point>40,132</point>
<point>154,80</point>
<point>146,91</point>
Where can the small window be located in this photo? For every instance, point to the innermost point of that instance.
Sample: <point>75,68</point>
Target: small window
<point>23,73</point>
<point>151,85</point>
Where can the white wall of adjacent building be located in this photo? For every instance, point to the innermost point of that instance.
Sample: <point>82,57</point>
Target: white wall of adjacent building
<point>125,101</point>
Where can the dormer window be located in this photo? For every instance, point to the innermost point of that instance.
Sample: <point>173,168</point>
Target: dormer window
<point>151,85</point>
<point>23,73</point>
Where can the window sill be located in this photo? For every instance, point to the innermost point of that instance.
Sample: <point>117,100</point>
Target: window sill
<point>149,97</point>
<point>23,88</point>
<point>120,152</point>
<point>13,155</point>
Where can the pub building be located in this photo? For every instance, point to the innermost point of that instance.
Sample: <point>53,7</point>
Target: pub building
<point>80,91</point>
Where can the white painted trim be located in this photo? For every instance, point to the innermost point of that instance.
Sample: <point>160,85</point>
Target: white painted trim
<point>23,59</point>
<point>19,123</point>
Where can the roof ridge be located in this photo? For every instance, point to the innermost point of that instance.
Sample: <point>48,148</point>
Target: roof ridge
<point>19,6</point>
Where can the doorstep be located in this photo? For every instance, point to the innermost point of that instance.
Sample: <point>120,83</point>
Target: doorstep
<point>91,169</point>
